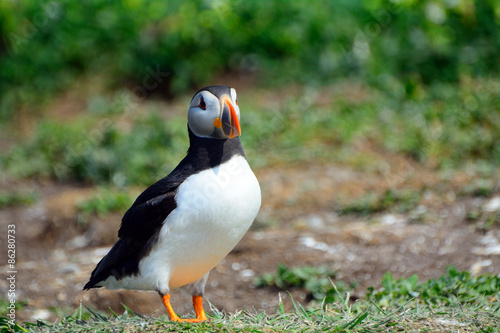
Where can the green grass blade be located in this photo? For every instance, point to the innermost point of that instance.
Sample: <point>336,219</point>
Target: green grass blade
<point>129,312</point>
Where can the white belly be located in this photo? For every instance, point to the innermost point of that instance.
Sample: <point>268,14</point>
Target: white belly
<point>214,210</point>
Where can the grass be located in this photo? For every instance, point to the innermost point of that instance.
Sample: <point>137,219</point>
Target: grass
<point>455,301</point>
<point>334,319</point>
<point>316,281</point>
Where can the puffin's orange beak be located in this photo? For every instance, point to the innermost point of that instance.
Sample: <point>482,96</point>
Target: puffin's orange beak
<point>230,120</point>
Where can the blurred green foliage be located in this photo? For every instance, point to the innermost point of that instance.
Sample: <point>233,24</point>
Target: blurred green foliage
<point>446,125</point>
<point>459,129</point>
<point>481,187</point>
<point>170,46</point>
<point>483,220</point>
<point>106,201</point>
<point>99,151</point>
<point>4,303</point>
<point>11,199</point>
<point>393,200</point>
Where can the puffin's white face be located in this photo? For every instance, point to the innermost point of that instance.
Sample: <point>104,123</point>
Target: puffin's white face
<point>214,113</point>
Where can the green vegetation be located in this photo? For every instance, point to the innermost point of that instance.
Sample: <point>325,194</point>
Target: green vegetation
<point>102,150</point>
<point>397,201</point>
<point>453,289</point>
<point>454,301</point>
<point>5,322</point>
<point>317,282</point>
<point>98,151</point>
<point>444,126</point>
<point>168,47</point>
<point>481,187</point>
<point>4,303</point>
<point>10,199</point>
<point>483,220</point>
<point>105,202</point>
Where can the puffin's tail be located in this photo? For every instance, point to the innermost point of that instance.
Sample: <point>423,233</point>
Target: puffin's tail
<point>118,262</point>
<point>93,278</point>
<point>90,285</point>
<point>103,269</point>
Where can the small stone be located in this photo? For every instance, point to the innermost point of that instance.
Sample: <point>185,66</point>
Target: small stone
<point>492,205</point>
<point>77,242</point>
<point>69,268</point>
<point>41,314</point>
<point>247,273</point>
<point>315,222</point>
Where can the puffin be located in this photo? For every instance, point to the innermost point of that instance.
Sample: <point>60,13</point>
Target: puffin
<point>182,226</point>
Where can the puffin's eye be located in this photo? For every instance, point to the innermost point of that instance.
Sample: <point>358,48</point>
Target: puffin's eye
<point>202,104</point>
<point>236,101</point>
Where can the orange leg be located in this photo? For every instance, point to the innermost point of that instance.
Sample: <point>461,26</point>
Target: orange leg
<point>198,308</point>
<point>166,301</point>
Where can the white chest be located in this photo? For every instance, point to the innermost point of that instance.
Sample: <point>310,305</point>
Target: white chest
<point>225,198</point>
<point>214,210</point>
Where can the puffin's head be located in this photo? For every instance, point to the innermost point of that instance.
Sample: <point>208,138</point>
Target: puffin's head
<point>214,113</point>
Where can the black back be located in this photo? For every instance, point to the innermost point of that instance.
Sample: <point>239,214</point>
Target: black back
<point>142,222</point>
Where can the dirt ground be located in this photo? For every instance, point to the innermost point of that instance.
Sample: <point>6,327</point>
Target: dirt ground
<point>298,225</point>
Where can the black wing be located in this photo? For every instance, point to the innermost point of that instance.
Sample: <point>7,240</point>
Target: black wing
<point>138,232</point>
